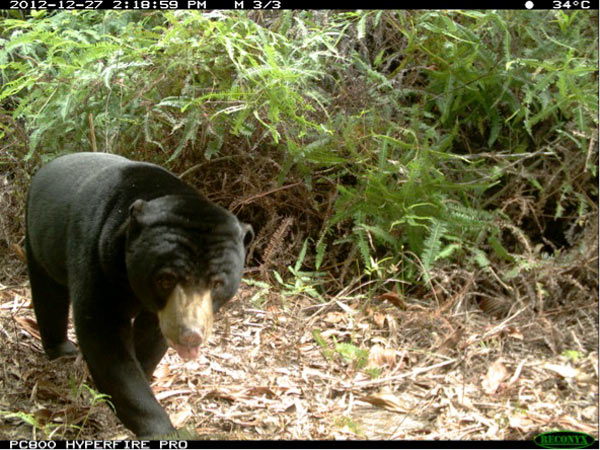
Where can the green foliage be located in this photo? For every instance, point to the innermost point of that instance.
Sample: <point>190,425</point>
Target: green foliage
<point>496,83</point>
<point>421,119</point>
<point>146,76</point>
<point>30,419</point>
<point>258,298</point>
<point>302,282</point>
<point>350,353</point>
<point>345,422</point>
<point>322,343</point>
<point>95,398</point>
<point>345,352</point>
<point>572,355</point>
<point>51,429</point>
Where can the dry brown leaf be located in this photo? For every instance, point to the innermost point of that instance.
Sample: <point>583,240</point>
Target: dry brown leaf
<point>452,341</point>
<point>379,357</point>
<point>394,299</point>
<point>29,325</point>
<point>522,423</point>
<point>570,422</point>
<point>179,418</point>
<point>385,400</point>
<point>222,394</point>
<point>335,317</point>
<point>379,319</point>
<point>564,371</point>
<point>162,371</point>
<point>273,310</point>
<point>172,392</point>
<point>495,375</point>
<point>259,391</point>
<point>18,250</point>
<point>514,333</point>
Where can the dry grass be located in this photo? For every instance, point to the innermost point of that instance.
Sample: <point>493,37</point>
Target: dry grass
<point>438,367</point>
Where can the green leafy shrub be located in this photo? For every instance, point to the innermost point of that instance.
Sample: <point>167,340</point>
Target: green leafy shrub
<point>419,136</point>
<point>153,80</point>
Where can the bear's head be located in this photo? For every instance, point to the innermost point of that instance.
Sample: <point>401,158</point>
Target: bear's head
<point>184,258</point>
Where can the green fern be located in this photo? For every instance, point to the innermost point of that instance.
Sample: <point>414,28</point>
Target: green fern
<point>432,246</point>
<point>363,247</point>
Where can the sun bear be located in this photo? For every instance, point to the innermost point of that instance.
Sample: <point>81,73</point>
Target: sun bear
<point>144,260</point>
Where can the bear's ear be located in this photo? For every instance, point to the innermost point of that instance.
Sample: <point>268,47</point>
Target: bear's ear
<point>247,233</point>
<point>135,210</point>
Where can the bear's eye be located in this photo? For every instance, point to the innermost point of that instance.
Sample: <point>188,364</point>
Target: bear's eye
<point>165,282</point>
<point>216,282</point>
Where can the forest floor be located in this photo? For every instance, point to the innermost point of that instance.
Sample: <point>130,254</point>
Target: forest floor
<point>281,367</point>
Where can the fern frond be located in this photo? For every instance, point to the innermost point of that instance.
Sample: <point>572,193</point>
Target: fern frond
<point>432,246</point>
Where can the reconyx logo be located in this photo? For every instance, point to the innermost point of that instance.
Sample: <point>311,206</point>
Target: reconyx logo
<point>564,439</point>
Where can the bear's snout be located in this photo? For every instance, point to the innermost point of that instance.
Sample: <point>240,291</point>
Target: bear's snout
<point>186,321</point>
<point>190,338</point>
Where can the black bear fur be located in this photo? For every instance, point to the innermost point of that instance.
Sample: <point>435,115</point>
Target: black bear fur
<point>144,260</point>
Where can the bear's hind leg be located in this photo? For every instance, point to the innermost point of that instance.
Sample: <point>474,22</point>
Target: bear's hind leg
<point>51,306</point>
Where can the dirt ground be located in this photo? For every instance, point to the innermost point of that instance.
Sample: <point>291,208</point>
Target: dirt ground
<point>286,367</point>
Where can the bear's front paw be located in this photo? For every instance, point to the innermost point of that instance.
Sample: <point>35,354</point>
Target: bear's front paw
<point>183,434</point>
<point>65,349</point>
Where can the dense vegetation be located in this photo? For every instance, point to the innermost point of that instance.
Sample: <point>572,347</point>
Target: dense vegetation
<point>377,145</point>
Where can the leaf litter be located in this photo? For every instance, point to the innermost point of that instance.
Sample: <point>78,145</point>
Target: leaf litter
<point>382,368</point>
